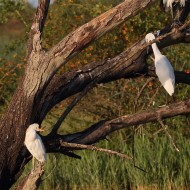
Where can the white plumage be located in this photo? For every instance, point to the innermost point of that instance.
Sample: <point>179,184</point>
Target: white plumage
<point>168,3</point>
<point>164,70</point>
<point>34,143</point>
<point>174,6</point>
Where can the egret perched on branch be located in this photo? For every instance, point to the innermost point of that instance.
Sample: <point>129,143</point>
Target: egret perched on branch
<point>34,143</point>
<point>171,3</point>
<point>175,6</point>
<point>164,70</point>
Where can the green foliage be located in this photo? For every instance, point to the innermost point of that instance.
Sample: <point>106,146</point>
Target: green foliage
<point>12,48</point>
<point>11,67</point>
<point>158,166</point>
<point>8,9</point>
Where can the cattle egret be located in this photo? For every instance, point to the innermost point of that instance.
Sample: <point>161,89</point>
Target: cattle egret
<point>34,143</point>
<point>174,6</point>
<point>164,70</point>
<point>169,3</point>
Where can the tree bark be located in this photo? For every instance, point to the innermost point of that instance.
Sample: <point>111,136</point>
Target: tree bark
<point>103,128</point>
<point>20,112</point>
<point>129,64</point>
<point>39,90</point>
<point>32,180</point>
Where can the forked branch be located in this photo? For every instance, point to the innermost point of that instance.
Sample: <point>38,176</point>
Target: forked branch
<point>101,129</point>
<point>129,64</point>
<point>74,42</point>
<point>34,41</point>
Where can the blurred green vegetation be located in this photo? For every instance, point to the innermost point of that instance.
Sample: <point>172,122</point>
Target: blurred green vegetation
<point>165,169</point>
<point>157,164</point>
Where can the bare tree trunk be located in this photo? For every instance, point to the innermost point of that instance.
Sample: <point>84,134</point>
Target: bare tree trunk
<point>20,112</point>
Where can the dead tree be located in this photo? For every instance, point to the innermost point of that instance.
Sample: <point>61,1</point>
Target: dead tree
<point>40,90</point>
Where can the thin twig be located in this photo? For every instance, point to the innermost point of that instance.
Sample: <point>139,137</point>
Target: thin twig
<point>21,17</point>
<point>133,144</point>
<point>50,173</point>
<point>90,147</point>
<point>157,132</point>
<point>166,131</point>
<point>154,95</point>
<point>141,90</point>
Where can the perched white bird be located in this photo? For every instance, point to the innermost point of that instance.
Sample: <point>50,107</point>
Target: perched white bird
<point>164,70</point>
<point>169,3</point>
<point>175,6</point>
<point>34,143</point>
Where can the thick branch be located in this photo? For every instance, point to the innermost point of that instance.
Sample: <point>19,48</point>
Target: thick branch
<point>101,129</point>
<point>50,61</point>
<point>32,180</point>
<point>37,27</point>
<point>131,63</point>
<point>78,39</point>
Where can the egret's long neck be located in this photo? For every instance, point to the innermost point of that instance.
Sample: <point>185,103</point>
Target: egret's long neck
<point>155,49</point>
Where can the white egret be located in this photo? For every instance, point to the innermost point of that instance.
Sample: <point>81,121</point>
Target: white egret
<point>169,3</point>
<point>34,143</point>
<point>164,70</point>
<point>174,6</point>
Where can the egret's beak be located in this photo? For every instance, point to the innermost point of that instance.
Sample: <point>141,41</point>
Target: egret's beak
<point>40,130</point>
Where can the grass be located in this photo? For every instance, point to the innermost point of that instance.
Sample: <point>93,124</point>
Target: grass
<point>163,167</point>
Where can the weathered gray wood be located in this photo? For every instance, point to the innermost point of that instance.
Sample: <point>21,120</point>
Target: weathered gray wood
<point>103,128</point>
<point>32,180</point>
<point>129,64</point>
<point>82,36</point>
